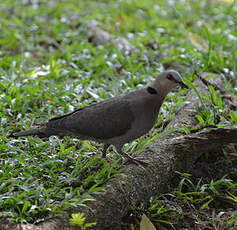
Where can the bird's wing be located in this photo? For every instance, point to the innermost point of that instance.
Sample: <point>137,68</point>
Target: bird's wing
<point>103,120</point>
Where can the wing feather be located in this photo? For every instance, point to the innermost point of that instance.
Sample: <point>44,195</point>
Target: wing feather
<point>103,120</point>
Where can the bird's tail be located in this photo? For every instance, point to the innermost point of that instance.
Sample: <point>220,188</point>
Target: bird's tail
<point>40,132</point>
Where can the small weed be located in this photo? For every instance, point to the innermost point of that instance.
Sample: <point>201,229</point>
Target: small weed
<point>78,219</point>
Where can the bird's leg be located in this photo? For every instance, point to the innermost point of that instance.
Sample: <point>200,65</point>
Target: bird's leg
<point>106,146</point>
<point>130,159</point>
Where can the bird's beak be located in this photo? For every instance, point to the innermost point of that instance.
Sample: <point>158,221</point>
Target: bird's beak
<point>183,85</point>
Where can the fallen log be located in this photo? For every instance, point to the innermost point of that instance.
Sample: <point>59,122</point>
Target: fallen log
<point>101,37</point>
<point>230,98</point>
<point>172,152</point>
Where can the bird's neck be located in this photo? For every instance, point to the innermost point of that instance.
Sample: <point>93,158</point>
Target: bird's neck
<point>161,88</point>
<point>158,96</point>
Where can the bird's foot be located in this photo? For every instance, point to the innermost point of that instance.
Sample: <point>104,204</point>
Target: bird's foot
<point>130,159</point>
<point>135,160</point>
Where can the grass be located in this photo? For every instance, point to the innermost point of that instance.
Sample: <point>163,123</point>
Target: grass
<point>48,67</point>
<point>195,204</point>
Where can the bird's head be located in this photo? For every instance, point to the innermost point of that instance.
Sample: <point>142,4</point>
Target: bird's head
<point>168,80</point>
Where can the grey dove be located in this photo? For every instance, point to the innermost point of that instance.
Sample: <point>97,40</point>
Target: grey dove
<point>114,121</point>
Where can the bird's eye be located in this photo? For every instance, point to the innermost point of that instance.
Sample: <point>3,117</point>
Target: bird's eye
<point>170,77</point>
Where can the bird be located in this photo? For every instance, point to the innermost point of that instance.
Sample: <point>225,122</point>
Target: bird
<point>114,121</point>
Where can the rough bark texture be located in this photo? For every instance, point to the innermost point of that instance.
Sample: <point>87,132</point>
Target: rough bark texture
<point>173,152</point>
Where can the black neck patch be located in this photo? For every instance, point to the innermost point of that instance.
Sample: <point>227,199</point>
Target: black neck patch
<point>151,90</point>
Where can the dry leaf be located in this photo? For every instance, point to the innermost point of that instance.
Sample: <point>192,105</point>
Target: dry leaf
<point>119,69</point>
<point>197,41</point>
<point>146,224</point>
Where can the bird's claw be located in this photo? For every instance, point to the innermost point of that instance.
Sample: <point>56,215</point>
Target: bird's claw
<point>136,160</point>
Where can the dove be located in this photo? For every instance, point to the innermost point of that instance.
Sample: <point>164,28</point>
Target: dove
<point>114,121</point>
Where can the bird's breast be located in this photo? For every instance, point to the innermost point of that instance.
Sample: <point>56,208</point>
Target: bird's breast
<point>142,124</point>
